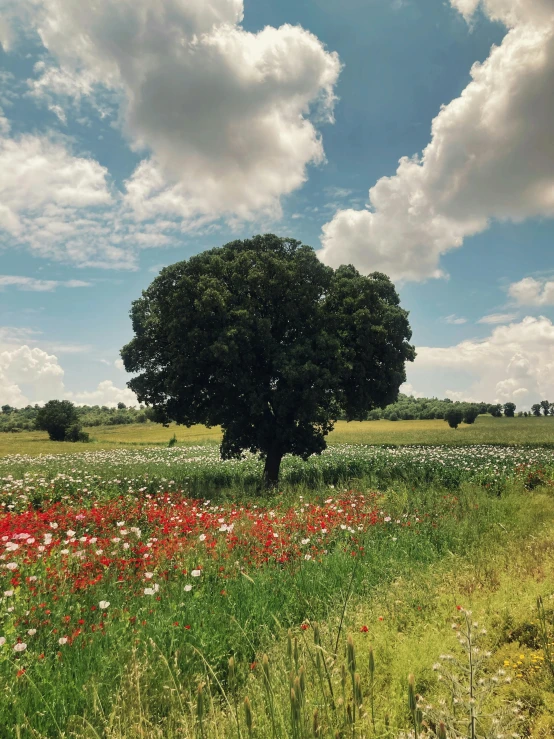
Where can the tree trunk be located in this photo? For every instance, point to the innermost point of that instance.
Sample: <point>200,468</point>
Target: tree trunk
<point>272,465</point>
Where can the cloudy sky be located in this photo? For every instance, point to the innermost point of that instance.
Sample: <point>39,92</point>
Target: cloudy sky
<point>409,137</point>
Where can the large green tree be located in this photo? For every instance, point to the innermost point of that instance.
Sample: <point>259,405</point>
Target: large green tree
<point>260,337</point>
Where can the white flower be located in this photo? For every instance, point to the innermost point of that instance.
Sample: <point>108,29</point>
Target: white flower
<point>2,641</point>
<point>149,591</point>
<point>148,575</point>
<point>104,604</point>
<point>69,533</point>
<point>8,593</point>
<point>53,525</point>
<point>188,588</point>
<point>11,566</point>
<point>62,640</point>
<point>32,578</point>
<point>32,632</point>
<point>305,541</point>
<point>196,573</point>
<point>202,537</point>
<point>20,647</point>
<point>65,551</point>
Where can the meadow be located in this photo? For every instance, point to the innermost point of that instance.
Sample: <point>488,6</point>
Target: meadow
<point>486,430</point>
<point>151,592</point>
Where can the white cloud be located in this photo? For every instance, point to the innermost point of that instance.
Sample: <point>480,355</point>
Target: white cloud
<point>119,364</point>
<point>62,206</point>
<point>491,156</point>
<point>226,117</point>
<point>516,362</point>
<point>498,318</point>
<point>34,369</point>
<point>105,394</point>
<point>532,292</point>
<point>455,320</point>
<point>32,375</point>
<point>34,285</point>
<point>4,124</point>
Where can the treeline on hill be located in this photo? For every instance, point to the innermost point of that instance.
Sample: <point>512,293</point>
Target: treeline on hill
<point>24,419</point>
<point>406,408</point>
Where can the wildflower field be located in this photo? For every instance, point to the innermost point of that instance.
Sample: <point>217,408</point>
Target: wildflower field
<point>155,592</point>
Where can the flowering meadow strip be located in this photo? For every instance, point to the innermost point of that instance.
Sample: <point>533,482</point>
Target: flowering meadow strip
<point>143,546</point>
<point>195,470</point>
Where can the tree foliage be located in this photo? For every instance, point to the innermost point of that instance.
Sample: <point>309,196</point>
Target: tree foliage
<point>454,417</point>
<point>260,337</point>
<point>509,410</point>
<point>57,417</point>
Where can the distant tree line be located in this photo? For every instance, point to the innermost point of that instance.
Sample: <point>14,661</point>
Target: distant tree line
<point>24,419</point>
<point>406,408</point>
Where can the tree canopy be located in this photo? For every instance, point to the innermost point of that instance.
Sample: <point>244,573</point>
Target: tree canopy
<point>260,337</point>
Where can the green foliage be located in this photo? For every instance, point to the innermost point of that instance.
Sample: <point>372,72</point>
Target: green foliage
<point>545,405</point>
<point>509,410</point>
<point>454,416</point>
<point>470,414</point>
<point>260,337</point>
<point>57,417</point>
<point>536,408</point>
<point>495,410</point>
<point>76,433</point>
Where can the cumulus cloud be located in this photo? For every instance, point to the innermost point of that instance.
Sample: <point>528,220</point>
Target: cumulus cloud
<point>515,363</point>
<point>105,394</point>
<point>62,206</point>
<point>33,285</point>
<point>532,292</point>
<point>29,374</point>
<point>34,369</point>
<point>226,118</point>
<point>491,156</point>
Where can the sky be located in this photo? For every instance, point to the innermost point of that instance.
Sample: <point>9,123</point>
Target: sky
<point>413,137</point>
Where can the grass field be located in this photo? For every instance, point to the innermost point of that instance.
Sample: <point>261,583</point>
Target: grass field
<point>486,430</point>
<point>150,593</point>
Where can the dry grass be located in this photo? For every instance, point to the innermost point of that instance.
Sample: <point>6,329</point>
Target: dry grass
<point>486,430</point>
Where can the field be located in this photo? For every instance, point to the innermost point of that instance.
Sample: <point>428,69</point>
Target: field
<point>486,430</point>
<point>154,592</point>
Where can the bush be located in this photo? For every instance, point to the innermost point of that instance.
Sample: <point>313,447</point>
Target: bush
<point>470,414</point>
<point>453,417</point>
<point>57,417</point>
<point>76,433</point>
<point>393,417</point>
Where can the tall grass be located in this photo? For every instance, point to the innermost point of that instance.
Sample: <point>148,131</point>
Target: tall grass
<point>146,657</point>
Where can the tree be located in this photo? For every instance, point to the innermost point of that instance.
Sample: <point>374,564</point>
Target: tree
<point>57,417</point>
<point>536,408</point>
<point>495,410</point>
<point>260,337</point>
<point>7,409</point>
<point>509,410</point>
<point>453,416</point>
<point>545,405</point>
<point>470,414</point>
<point>121,406</point>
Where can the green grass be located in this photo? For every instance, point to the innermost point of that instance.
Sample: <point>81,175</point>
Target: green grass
<point>486,430</point>
<point>494,555</point>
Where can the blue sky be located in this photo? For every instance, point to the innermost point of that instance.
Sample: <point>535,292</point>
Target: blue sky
<point>121,153</point>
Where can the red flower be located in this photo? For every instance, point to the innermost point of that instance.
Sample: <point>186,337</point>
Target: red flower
<point>305,626</point>
<point>364,629</point>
